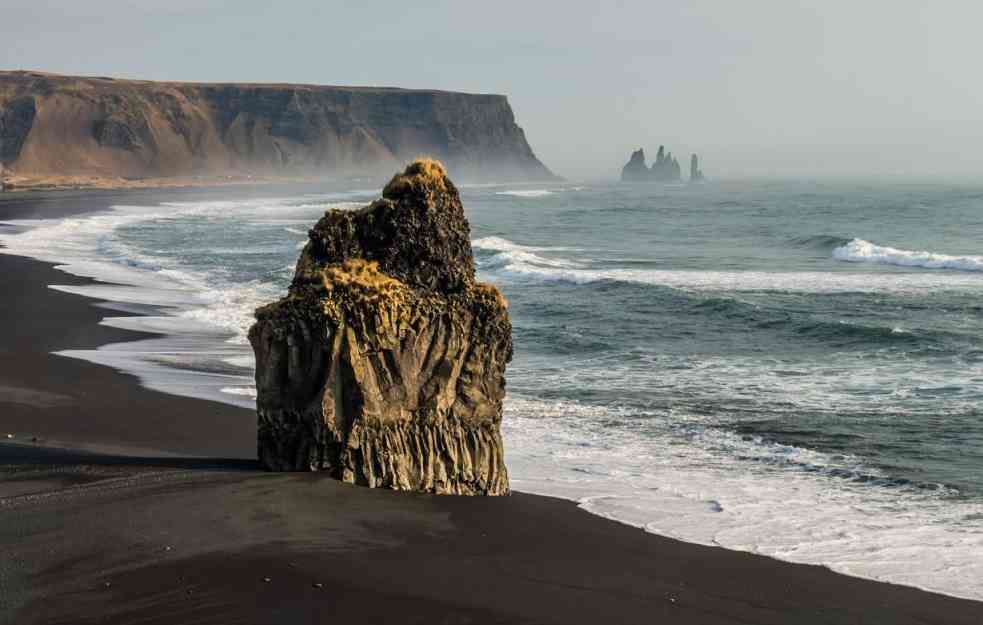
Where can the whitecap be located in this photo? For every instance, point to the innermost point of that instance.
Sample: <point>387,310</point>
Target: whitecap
<point>526,193</point>
<point>861,251</point>
<point>516,268</point>
<point>510,254</point>
<point>525,263</point>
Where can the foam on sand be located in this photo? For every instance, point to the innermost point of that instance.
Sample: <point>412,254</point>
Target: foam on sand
<point>685,478</point>
<point>246,391</point>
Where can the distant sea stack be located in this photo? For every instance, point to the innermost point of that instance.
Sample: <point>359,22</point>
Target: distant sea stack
<point>695,173</point>
<point>635,170</point>
<point>384,365</point>
<point>53,125</point>
<point>666,168</point>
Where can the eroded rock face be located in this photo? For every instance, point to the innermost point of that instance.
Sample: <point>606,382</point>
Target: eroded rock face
<point>385,363</point>
<point>71,125</point>
<point>16,120</point>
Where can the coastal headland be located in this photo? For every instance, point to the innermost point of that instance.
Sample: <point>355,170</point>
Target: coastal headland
<point>120,504</point>
<point>68,131</point>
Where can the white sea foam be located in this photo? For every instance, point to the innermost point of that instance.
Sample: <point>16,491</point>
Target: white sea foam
<point>245,361</point>
<point>510,253</point>
<point>673,474</point>
<point>245,391</point>
<point>860,251</point>
<point>527,193</point>
<point>515,264</point>
<point>504,245</point>
<point>680,477</point>
<point>200,306</point>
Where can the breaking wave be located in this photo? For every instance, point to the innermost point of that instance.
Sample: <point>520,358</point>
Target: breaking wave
<point>821,241</point>
<point>685,478</point>
<point>527,193</point>
<point>861,251</point>
<point>515,262</point>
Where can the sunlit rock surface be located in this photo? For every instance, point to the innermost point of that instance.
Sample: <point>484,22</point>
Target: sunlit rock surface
<point>385,363</point>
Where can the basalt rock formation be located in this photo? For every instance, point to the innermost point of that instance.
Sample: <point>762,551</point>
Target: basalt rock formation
<point>666,168</point>
<point>52,125</point>
<point>635,170</point>
<point>384,365</point>
<point>695,173</point>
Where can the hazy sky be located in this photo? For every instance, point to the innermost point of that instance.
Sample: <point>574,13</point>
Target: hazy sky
<point>828,87</point>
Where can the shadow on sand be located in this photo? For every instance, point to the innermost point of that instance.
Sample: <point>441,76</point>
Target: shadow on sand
<point>14,455</point>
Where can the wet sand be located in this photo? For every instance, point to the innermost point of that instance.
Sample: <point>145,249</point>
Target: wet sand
<point>124,505</point>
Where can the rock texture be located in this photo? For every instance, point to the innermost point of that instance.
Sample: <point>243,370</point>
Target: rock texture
<point>385,363</point>
<point>64,125</point>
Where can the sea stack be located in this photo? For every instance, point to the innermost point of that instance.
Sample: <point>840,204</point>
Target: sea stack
<point>384,365</point>
<point>635,170</point>
<point>695,173</point>
<point>665,168</point>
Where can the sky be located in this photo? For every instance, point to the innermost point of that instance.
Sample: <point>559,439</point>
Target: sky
<point>764,88</point>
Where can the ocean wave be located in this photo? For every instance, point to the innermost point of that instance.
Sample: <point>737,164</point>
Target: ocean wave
<point>832,333</point>
<point>861,251</point>
<point>510,254</point>
<point>521,263</point>
<point>843,333</point>
<point>821,241</point>
<point>527,193</point>
<point>504,245</point>
<point>514,268</point>
<point>683,477</point>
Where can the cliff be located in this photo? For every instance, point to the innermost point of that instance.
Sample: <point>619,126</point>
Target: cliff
<point>384,365</point>
<point>53,125</point>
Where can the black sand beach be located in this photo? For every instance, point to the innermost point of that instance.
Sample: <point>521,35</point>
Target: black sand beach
<point>132,506</point>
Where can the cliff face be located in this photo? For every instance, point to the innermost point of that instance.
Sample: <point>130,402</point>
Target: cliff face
<point>62,125</point>
<point>385,363</point>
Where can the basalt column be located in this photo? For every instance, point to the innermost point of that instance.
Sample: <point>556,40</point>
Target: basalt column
<point>384,365</point>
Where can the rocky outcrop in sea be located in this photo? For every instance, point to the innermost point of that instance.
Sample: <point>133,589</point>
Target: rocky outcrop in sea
<point>695,173</point>
<point>635,170</point>
<point>384,365</point>
<point>666,168</point>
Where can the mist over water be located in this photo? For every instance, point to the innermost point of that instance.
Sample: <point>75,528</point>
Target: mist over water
<point>790,369</point>
<point>757,88</point>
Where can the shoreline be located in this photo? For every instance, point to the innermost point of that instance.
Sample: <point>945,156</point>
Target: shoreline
<point>583,561</point>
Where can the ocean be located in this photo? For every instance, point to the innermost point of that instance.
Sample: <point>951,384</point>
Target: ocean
<point>793,369</point>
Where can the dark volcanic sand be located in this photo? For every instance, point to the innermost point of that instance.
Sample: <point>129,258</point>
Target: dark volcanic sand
<point>131,536</point>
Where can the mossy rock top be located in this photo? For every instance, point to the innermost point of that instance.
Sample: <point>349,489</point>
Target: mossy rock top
<point>417,233</point>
